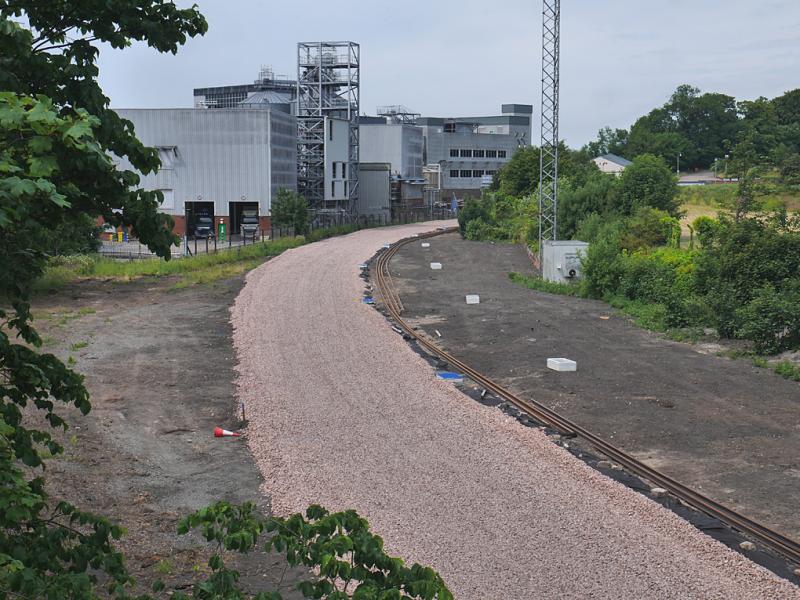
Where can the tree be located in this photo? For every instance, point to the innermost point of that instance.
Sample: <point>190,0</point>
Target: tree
<point>790,170</point>
<point>290,209</point>
<point>56,134</point>
<point>647,182</point>
<point>576,202</point>
<point>520,175</point>
<point>609,141</point>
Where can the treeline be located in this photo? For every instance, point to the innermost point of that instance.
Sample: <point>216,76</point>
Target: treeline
<point>703,128</point>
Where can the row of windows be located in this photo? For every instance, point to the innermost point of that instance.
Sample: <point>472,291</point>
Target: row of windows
<point>470,173</point>
<point>467,153</point>
<point>343,169</point>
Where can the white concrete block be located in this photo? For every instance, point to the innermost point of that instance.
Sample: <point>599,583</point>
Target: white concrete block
<point>562,365</point>
<point>426,244</point>
<point>436,266</point>
<point>473,299</point>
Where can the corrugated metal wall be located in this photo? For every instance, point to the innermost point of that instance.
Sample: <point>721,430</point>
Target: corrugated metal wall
<point>220,156</point>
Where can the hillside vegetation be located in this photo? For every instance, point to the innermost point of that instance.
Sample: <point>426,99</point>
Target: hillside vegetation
<point>723,256</point>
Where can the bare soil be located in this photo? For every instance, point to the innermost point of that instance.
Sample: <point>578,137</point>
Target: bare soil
<point>159,366</point>
<point>723,426</point>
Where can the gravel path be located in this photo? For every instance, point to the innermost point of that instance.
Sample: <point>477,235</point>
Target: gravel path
<point>343,413</point>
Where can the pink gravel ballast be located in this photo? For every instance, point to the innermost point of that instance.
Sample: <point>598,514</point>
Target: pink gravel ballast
<point>344,414</point>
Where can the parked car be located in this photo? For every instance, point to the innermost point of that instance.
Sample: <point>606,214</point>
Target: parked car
<point>204,227</point>
<point>249,222</point>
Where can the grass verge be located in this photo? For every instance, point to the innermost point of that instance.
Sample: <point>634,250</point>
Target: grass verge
<point>193,270</point>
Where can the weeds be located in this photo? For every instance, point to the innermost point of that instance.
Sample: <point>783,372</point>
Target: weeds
<point>79,345</point>
<point>540,285</point>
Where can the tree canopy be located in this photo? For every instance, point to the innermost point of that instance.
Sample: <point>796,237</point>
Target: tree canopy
<point>702,128</point>
<point>56,137</point>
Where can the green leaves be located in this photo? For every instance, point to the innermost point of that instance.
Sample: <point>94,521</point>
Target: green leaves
<point>56,137</point>
<point>339,547</point>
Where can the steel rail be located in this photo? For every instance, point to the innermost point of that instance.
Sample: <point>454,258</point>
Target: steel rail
<point>778,542</point>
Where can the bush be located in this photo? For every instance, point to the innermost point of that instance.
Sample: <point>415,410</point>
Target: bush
<point>576,203</point>
<point>289,209</point>
<point>647,182</point>
<point>664,276</point>
<point>772,319</point>
<point>705,228</point>
<point>741,258</point>
<point>790,170</point>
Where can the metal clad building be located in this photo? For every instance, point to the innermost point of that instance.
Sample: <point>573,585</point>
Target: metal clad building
<point>217,163</point>
<point>400,145</point>
<point>465,149</point>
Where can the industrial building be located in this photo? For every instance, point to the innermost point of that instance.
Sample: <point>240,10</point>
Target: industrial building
<point>461,154</point>
<point>217,163</point>
<point>328,101</point>
<point>393,139</point>
<point>275,89</point>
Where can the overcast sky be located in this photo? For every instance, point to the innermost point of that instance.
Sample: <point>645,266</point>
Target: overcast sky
<point>619,58</point>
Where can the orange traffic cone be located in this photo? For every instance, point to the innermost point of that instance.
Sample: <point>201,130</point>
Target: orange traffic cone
<point>220,432</point>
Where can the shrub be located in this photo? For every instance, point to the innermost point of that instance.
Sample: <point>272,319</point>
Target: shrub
<point>771,319</point>
<point>706,228</point>
<point>647,182</point>
<point>289,209</point>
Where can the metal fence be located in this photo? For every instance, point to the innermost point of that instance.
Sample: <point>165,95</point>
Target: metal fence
<point>132,249</point>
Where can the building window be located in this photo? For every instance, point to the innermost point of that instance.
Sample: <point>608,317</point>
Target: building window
<point>453,152</point>
<point>449,127</point>
<point>345,189</point>
<point>344,173</point>
<point>492,172</point>
<point>501,154</point>
<point>334,169</point>
<point>466,173</point>
<point>477,173</point>
<point>491,154</point>
<point>478,153</point>
<point>454,173</point>
<point>466,153</point>
<point>333,188</point>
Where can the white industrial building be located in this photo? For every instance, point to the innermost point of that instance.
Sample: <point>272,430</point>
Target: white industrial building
<point>217,162</point>
<point>611,163</point>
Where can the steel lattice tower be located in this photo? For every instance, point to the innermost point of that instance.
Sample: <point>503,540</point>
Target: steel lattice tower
<point>328,87</point>
<point>548,162</point>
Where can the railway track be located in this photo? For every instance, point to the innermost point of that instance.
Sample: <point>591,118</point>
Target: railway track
<point>770,539</point>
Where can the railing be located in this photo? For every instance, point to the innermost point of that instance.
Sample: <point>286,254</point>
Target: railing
<point>133,249</point>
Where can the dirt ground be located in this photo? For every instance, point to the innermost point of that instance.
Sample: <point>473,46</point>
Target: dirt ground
<point>159,366</point>
<point>725,427</point>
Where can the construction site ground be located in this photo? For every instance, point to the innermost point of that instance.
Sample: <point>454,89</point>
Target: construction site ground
<point>159,366</point>
<point>725,427</point>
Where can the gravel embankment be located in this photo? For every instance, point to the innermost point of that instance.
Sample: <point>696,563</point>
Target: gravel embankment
<point>344,414</point>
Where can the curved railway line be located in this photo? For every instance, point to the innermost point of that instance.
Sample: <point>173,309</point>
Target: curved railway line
<point>773,540</point>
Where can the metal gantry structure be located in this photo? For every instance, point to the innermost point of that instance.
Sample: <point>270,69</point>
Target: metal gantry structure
<point>328,87</point>
<point>548,161</point>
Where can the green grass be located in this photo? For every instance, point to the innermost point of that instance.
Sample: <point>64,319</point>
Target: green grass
<point>193,270</point>
<point>540,285</point>
<point>785,369</point>
<point>79,345</point>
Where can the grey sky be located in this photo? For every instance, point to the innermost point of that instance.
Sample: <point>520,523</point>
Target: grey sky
<point>620,58</point>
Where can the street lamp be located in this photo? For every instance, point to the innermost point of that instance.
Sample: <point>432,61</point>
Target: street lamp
<point>678,168</point>
<point>727,156</point>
